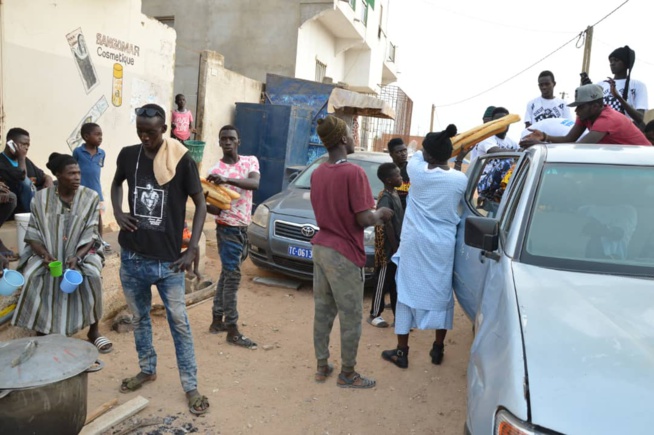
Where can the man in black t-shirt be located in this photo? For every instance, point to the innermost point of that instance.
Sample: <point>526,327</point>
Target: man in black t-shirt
<point>160,177</point>
<point>398,152</point>
<point>18,172</point>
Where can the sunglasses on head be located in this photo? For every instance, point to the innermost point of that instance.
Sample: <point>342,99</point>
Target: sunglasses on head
<point>149,112</point>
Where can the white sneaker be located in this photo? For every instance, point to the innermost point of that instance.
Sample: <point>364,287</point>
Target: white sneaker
<point>378,322</point>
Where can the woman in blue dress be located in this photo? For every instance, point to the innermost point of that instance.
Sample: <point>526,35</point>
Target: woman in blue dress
<point>425,258</point>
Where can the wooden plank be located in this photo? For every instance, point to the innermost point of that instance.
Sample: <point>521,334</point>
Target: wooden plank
<point>278,282</point>
<point>97,412</point>
<point>116,416</point>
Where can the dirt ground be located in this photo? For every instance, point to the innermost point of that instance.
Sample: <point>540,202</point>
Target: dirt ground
<point>272,391</point>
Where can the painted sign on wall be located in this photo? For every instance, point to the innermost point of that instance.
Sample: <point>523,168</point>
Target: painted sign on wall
<point>82,57</point>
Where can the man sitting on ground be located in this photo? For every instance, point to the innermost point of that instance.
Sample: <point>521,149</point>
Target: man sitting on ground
<point>18,172</point>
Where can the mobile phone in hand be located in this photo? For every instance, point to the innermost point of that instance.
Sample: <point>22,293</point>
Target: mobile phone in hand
<point>12,146</point>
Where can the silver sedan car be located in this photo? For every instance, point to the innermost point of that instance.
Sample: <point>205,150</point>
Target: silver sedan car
<point>283,225</point>
<point>557,277</point>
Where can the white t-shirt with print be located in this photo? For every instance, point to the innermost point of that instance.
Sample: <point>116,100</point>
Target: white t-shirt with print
<point>481,149</point>
<point>240,213</point>
<point>637,96</point>
<point>540,108</point>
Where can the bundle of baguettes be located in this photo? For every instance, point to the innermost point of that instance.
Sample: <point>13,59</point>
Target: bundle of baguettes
<point>475,135</point>
<point>218,195</point>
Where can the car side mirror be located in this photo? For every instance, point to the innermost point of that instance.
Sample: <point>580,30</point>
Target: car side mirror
<point>293,176</point>
<point>482,233</point>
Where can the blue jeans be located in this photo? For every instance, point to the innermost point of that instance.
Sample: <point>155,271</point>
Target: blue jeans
<point>233,250</point>
<point>137,275</point>
<point>25,193</point>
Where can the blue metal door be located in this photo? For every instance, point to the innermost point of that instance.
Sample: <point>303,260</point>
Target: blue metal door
<point>278,136</point>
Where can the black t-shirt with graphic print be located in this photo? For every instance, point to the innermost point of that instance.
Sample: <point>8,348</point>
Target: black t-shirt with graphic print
<point>160,210</point>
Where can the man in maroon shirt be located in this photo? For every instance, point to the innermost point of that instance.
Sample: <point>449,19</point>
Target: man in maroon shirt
<point>343,205</point>
<point>605,125</point>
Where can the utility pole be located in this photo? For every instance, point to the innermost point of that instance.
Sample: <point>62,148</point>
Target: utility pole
<point>563,94</point>
<point>431,123</point>
<point>588,45</point>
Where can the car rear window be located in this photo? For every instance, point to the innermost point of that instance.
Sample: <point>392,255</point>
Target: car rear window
<point>593,218</point>
<point>303,181</point>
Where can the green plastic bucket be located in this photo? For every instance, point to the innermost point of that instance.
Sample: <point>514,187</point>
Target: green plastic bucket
<point>196,149</point>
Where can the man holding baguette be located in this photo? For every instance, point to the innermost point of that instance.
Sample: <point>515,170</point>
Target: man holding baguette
<point>241,175</point>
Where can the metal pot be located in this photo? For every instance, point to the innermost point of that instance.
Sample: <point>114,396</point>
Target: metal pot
<point>43,385</point>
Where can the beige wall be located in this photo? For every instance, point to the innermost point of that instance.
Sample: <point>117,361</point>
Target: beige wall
<point>218,92</point>
<point>44,89</point>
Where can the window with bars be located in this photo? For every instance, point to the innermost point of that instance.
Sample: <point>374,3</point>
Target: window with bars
<point>321,71</point>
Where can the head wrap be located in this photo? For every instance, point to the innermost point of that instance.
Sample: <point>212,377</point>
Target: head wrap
<point>439,145</point>
<point>626,55</point>
<point>57,162</point>
<point>489,112</point>
<point>331,130</point>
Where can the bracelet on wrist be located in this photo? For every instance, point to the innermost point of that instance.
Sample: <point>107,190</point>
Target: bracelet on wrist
<point>545,137</point>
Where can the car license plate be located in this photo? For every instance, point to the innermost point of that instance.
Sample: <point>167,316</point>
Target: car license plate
<point>296,251</point>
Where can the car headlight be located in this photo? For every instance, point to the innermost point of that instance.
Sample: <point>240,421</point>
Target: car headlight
<point>369,236</point>
<point>261,216</point>
<point>507,424</point>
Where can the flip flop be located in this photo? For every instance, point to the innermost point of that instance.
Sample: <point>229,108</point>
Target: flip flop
<point>198,401</point>
<point>101,343</point>
<point>241,340</point>
<point>134,383</point>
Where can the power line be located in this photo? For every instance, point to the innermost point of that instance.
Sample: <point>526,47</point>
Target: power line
<point>576,37</point>
<point>495,23</point>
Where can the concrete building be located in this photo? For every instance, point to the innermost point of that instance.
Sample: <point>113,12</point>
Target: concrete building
<point>322,40</point>
<point>68,62</point>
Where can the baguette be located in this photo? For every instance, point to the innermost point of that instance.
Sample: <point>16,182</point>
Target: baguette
<point>475,135</point>
<point>215,192</point>
<point>233,195</point>
<point>216,203</point>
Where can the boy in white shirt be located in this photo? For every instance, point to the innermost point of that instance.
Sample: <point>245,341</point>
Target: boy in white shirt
<point>546,106</point>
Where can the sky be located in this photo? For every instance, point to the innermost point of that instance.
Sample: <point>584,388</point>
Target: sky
<point>449,52</point>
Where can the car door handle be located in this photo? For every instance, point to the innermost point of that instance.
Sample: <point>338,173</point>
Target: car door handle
<point>483,255</point>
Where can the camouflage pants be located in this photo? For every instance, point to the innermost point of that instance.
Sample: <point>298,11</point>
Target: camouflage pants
<point>337,289</point>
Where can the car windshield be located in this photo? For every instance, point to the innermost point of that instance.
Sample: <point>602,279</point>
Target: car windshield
<point>303,181</point>
<point>593,218</point>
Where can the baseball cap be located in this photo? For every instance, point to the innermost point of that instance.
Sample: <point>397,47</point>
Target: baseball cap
<point>586,94</point>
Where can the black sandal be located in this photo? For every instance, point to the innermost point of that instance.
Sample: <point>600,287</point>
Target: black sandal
<point>241,340</point>
<point>399,357</point>
<point>436,354</point>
